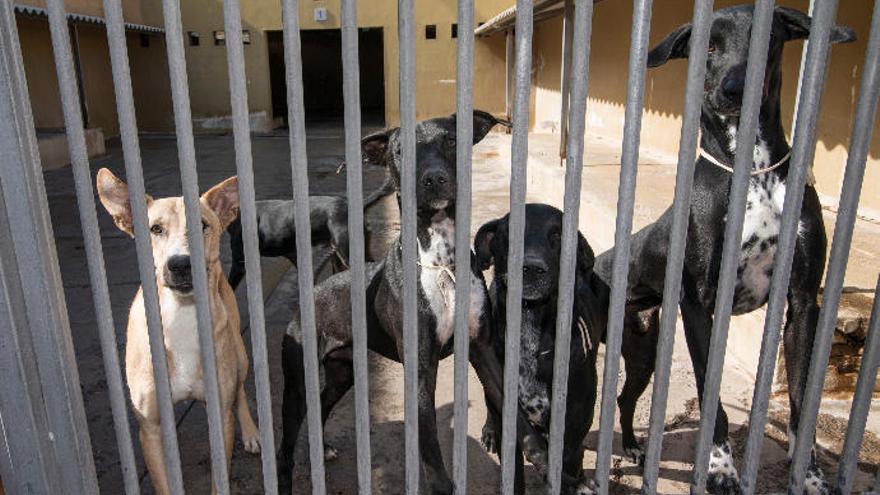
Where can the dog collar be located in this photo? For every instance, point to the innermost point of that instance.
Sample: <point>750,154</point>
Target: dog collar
<point>445,269</point>
<point>714,161</point>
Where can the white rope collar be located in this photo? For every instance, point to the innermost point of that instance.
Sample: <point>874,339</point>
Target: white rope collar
<point>714,161</point>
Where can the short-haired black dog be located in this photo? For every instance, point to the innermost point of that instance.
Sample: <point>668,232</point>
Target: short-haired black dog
<point>724,85</point>
<point>435,196</point>
<point>276,229</point>
<point>542,240</point>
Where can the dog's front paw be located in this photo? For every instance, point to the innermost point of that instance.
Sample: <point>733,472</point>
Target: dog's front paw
<point>635,455</point>
<point>815,483</point>
<point>330,453</point>
<point>489,438</point>
<point>251,443</point>
<point>722,476</point>
<point>587,487</point>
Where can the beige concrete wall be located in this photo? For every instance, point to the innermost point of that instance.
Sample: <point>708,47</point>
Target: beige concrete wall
<point>435,59</point>
<point>147,12</point>
<point>665,87</point>
<point>148,70</point>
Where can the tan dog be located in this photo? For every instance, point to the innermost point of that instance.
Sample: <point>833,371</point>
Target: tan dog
<point>174,279</point>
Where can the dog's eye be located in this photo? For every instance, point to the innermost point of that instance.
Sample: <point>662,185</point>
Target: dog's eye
<point>556,236</point>
<point>157,229</point>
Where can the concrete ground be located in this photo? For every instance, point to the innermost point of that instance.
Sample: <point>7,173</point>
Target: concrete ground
<point>491,179</point>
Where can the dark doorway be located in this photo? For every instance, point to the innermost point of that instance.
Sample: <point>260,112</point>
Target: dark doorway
<point>322,74</point>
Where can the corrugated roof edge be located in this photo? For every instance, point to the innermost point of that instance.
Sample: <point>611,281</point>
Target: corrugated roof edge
<point>88,19</point>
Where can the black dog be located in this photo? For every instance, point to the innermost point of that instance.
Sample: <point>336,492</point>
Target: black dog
<point>543,233</point>
<point>725,80</point>
<point>276,229</point>
<point>436,194</point>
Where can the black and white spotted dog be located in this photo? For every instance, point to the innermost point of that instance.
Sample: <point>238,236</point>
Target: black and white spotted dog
<point>543,232</point>
<point>725,80</point>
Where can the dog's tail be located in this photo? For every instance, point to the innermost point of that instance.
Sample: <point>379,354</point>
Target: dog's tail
<point>385,189</point>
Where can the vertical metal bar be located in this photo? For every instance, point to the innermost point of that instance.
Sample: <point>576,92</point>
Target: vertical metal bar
<point>464,146</point>
<point>861,402</point>
<point>74,122</point>
<point>862,131</point>
<point>804,149</point>
<point>580,69</point>
<point>519,159</point>
<point>137,196</point>
<point>406,34</point>
<point>357,247</point>
<point>247,203</point>
<point>190,182</point>
<point>300,177</point>
<point>684,179</point>
<point>800,85</point>
<point>638,55</point>
<point>34,244</point>
<point>730,255</point>
<point>565,76</point>
<point>508,73</point>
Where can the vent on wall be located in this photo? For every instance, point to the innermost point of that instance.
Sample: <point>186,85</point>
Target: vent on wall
<point>455,30</point>
<point>431,32</point>
<point>193,38</point>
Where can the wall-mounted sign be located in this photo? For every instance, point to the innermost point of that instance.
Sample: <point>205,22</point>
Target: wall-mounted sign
<point>219,37</point>
<point>320,14</point>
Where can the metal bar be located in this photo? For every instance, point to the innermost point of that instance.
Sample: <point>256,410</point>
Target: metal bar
<point>638,55</point>
<point>137,196</point>
<point>85,194</point>
<point>22,406</point>
<point>247,203</point>
<point>519,159</point>
<point>300,178</point>
<point>730,256</point>
<point>464,146</point>
<point>802,156</point>
<point>565,76</point>
<point>37,259</point>
<point>357,247</point>
<point>580,69</point>
<point>406,34</point>
<point>861,402</point>
<point>684,179</point>
<point>190,185</point>
<point>800,85</point>
<point>77,65</point>
<point>508,73</point>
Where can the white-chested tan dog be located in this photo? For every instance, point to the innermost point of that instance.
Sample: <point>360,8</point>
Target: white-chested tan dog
<point>177,305</point>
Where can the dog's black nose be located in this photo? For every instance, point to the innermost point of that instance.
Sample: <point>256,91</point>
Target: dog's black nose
<point>434,179</point>
<point>179,265</point>
<point>733,87</point>
<point>534,266</point>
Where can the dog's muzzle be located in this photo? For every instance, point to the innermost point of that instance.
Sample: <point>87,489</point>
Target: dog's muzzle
<point>178,274</point>
<point>538,281</point>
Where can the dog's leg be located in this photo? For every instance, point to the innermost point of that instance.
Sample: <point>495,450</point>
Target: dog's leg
<point>339,378</point>
<point>722,475</point>
<point>639,353</point>
<point>436,478</point>
<point>250,434</point>
<point>293,410</point>
<point>228,440</point>
<point>151,444</point>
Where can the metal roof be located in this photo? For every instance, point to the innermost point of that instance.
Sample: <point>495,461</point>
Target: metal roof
<point>506,19</point>
<point>86,19</point>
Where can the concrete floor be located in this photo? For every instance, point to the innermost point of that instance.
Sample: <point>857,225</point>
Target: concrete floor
<point>491,178</point>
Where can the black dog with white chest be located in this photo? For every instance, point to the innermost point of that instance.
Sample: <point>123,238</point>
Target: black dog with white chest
<point>542,242</point>
<point>725,81</point>
<point>435,195</point>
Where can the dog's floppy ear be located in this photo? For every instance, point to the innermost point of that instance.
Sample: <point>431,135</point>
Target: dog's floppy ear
<point>585,257</point>
<point>676,45</point>
<point>483,243</point>
<point>797,26</point>
<point>113,194</point>
<point>222,199</point>
<point>484,122</point>
<point>375,146</point>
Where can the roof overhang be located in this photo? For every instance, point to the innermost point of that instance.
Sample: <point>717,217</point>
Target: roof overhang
<point>85,19</point>
<point>506,19</point>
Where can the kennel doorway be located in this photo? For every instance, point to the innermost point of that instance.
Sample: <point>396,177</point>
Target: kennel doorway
<point>322,74</point>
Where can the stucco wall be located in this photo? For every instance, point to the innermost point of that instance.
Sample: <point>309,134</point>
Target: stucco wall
<point>149,73</point>
<point>148,12</point>
<point>665,87</point>
<point>435,59</point>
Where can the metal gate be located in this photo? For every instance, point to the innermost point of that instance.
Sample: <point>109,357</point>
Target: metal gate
<point>46,441</point>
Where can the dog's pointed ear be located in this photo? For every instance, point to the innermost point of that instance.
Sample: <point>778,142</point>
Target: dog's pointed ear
<point>223,200</point>
<point>483,243</point>
<point>375,146</point>
<point>585,256</point>
<point>675,45</point>
<point>114,195</point>
<point>484,122</point>
<point>797,26</point>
